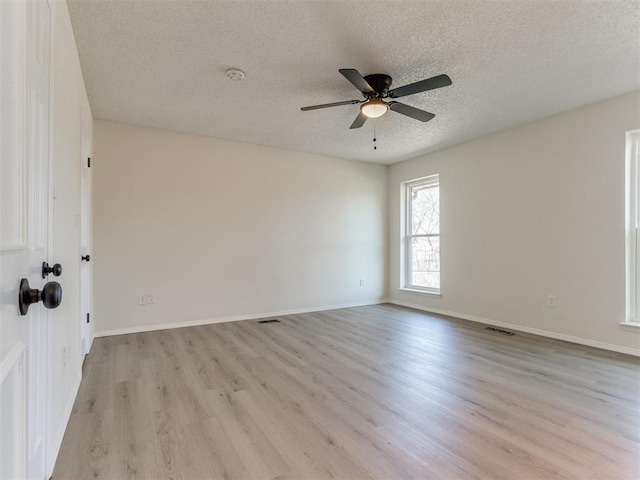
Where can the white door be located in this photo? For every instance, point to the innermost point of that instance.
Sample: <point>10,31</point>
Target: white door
<point>24,236</point>
<point>85,238</point>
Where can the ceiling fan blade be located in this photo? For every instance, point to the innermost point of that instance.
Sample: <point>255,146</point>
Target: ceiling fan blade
<point>410,111</point>
<point>356,79</point>
<point>359,121</point>
<point>421,86</point>
<point>335,104</point>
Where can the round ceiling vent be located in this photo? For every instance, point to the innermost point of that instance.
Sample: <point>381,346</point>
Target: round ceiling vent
<point>235,74</point>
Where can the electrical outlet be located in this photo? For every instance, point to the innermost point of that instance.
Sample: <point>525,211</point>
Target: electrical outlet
<point>64,357</point>
<point>551,301</point>
<point>142,299</point>
<point>362,282</point>
<point>151,297</point>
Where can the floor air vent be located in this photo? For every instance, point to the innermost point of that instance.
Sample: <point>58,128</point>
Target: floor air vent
<point>273,320</point>
<point>500,331</point>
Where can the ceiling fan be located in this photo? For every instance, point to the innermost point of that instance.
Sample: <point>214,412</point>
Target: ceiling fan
<point>375,88</point>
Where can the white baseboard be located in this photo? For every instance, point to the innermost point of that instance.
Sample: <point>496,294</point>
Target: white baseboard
<point>62,427</point>
<point>535,331</point>
<point>91,339</point>
<point>235,318</point>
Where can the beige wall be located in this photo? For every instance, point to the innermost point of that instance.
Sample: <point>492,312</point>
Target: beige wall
<point>220,229</point>
<point>532,211</point>
<point>69,106</point>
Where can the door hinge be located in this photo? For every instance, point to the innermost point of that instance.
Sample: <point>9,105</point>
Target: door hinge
<point>87,318</point>
<point>89,162</point>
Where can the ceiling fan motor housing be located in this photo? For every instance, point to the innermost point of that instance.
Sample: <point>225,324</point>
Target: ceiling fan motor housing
<point>379,82</point>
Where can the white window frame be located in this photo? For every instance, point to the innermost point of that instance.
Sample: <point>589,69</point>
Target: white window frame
<point>632,187</point>
<point>407,285</point>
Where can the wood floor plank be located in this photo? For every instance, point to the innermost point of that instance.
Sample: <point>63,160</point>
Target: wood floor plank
<point>260,456</point>
<point>380,392</point>
<point>211,452</point>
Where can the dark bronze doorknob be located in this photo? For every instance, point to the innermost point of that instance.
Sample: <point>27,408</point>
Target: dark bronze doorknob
<point>51,295</point>
<point>86,258</point>
<point>46,270</point>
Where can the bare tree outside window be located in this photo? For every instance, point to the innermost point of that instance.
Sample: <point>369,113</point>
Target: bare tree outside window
<point>422,246</point>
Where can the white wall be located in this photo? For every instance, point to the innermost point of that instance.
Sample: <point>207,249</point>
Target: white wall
<point>220,229</point>
<point>69,104</point>
<point>535,210</point>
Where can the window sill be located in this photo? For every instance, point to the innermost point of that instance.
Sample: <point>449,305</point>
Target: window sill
<point>420,292</point>
<point>632,325</point>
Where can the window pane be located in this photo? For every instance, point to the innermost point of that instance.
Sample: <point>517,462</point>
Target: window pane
<point>425,262</point>
<point>425,210</point>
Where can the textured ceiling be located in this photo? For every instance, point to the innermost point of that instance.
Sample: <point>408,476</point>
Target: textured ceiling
<point>162,64</point>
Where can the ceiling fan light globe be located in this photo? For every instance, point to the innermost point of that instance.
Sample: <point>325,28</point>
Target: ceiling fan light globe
<point>374,108</point>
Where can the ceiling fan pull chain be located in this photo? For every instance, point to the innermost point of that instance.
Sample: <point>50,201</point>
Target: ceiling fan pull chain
<point>374,135</point>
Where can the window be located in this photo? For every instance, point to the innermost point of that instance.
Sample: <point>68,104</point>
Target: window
<point>633,227</point>
<point>422,235</point>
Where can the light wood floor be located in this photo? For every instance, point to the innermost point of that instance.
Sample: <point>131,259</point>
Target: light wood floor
<point>370,392</point>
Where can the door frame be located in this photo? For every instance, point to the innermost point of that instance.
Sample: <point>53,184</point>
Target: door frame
<point>86,298</point>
